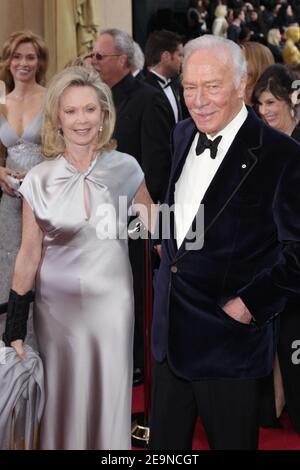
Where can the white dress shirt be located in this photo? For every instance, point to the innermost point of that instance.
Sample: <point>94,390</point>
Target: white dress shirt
<point>197,174</point>
<point>168,92</point>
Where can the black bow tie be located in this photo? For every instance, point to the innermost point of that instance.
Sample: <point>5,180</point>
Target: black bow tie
<point>205,143</point>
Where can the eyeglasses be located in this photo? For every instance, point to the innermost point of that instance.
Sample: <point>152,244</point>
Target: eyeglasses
<point>99,56</point>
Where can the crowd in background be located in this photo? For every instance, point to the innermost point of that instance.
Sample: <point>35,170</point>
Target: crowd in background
<point>264,21</point>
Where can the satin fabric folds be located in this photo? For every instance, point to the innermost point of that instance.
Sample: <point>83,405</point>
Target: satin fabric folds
<point>84,302</point>
<point>21,400</point>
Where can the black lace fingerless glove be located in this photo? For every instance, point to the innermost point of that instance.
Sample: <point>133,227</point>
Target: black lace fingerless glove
<point>17,316</point>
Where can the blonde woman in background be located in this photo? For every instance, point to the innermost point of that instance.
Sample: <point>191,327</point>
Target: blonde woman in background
<point>258,58</point>
<point>23,67</point>
<point>220,25</point>
<point>274,40</point>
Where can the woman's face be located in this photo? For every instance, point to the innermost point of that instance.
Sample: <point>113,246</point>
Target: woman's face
<point>275,112</point>
<point>80,115</point>
<point>24,62</point>
<point>254,16</point>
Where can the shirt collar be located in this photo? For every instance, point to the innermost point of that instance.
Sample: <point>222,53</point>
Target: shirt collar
<point>162,80</point>
<point>229,132</point>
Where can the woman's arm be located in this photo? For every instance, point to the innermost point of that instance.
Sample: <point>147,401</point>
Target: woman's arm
<point>27,261</point>
<point>30,252</point>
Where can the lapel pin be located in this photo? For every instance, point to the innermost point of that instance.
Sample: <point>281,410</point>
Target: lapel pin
<point>244,165</point>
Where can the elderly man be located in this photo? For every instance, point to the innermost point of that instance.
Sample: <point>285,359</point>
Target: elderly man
<point>215,306</point>
<point>143,128</point>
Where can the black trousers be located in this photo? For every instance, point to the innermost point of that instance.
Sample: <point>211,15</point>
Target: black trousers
<point>229,410</point>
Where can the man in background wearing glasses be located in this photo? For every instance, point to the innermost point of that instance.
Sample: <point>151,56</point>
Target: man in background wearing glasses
<point>143,128</point>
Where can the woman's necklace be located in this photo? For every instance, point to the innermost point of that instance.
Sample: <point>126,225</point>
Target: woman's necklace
<point>80,165</point>
<point>23,97</point>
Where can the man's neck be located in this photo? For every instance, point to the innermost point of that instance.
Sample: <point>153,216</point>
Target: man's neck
<point>120,77</point>
<point>160,70</point>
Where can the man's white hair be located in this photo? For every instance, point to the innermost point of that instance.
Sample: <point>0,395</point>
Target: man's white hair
<point>229,51</point>
<point>138,57</point>
<point>122,41</point>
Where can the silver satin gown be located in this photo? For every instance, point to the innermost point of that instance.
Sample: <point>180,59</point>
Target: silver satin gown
<point>22,154</point>
<point>83,312</point>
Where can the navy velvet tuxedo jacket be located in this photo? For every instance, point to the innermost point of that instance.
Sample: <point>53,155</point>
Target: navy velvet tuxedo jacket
<point>251,249</point>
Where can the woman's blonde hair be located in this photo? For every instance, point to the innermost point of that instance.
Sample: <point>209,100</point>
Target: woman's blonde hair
<point>274,36</point>
<point>52,139</point>
<point>9,47</point>
<point>258,58</point>
<point>221,11</point>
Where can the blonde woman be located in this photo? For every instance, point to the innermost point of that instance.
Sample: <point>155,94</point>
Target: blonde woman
<point>74,245</point>
<point>23,66</point>
<point>220,25</point>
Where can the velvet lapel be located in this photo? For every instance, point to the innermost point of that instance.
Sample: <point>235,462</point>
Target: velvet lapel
<point>232,173</point>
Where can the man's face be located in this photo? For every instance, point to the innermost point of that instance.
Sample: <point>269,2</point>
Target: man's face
<point>176,61</point>
<point>242,16</point>
<point>209,90</point>
<point>111,67</point>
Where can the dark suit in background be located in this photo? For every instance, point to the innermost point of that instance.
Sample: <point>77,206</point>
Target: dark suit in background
<point>142,129</point>
<point>153,80</point>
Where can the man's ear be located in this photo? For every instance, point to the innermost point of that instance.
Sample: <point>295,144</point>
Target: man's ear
<point>123,60</point>
<point>165,57</point>
<point>242,87</point>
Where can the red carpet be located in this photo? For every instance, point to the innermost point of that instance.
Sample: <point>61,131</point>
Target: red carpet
<point>270,439</point>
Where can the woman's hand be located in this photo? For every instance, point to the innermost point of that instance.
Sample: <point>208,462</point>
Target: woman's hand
<point>20,174</point>
<point>4,172</point>
<point>18,347</point>
<point>158,250</point>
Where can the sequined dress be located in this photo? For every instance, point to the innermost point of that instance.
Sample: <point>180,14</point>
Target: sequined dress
<point>22,154</point>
